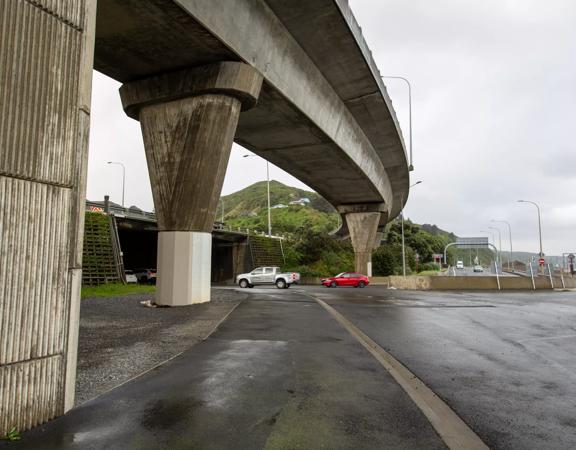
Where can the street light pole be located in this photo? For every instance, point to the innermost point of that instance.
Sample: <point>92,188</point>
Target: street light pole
<point>499,241</point>
<point>509,236</point>
<point>411,166</point>
<point>123,178</point>
<point>539,223</point>
<point>491,235</point>
<point>268,194</point>
<point>268,185</point>
<point>402,229</point>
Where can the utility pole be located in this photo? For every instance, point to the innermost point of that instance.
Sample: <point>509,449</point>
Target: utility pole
<point>402,228</point>
<point>411,166</point>
<point>123,179</point>
<point>268,191</point>
<point>510,238</point>
<point>541,254</point>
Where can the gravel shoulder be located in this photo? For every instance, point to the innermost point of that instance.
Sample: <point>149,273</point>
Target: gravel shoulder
<point>120,338</point>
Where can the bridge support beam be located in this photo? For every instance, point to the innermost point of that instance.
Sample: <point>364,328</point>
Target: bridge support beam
<point>188,120</point>
<point>363,228</point>
<point>364,223</point>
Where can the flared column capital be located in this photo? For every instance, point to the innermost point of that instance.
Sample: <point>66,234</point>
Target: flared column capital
<point>234,79</point>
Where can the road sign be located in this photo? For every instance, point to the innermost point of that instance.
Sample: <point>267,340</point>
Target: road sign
<point>541,261</point>
<point>472,242</point>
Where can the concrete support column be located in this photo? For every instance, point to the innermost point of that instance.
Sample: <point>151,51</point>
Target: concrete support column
<point>46,50</point>
<point>188,120</point>
<point>363,227</point>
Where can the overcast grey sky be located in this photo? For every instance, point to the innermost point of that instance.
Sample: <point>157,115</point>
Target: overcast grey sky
<point>494,112</point>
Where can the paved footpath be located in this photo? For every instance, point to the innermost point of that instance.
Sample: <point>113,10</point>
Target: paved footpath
<point>286,371</point>
<point>280,373</point>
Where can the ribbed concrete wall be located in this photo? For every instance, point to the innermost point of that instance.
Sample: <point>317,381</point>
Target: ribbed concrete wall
<point>44,117</point>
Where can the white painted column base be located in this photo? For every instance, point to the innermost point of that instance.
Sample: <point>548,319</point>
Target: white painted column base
<point>183,273</point>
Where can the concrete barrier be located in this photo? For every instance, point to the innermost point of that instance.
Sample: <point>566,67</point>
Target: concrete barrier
<point>477,283</point>
<point>446,283</point>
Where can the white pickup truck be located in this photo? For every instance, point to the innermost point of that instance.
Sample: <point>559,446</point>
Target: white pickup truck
<point>267,275</point>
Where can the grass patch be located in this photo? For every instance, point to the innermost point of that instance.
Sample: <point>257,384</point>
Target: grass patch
<point>428,273</point>
<point>116,290</point>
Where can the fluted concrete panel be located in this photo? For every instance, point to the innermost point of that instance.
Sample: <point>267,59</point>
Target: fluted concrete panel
<point>30,392</point>
<point>38,95</point>
<point>188,144</point>
<point>70,12</point>
<point>46,49</point>
<point>33,269</point>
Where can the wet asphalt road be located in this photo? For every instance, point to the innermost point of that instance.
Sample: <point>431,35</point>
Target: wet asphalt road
<point>505,362</point>
<point>281,373</point>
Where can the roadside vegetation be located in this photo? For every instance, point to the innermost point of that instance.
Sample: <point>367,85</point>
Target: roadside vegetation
<point>116,290</point>
<point>311,249</point>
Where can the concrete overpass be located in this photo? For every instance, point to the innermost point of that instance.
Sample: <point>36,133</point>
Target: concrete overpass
<point>292,81</point>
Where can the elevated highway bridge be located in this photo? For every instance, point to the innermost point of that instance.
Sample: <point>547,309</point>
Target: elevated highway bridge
<point>292,81</point>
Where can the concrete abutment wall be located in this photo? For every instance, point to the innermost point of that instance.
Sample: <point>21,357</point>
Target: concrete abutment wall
<point>46,50</point>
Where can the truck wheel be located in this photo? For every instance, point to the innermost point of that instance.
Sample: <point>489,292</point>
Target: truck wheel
<point>243,284</point>
<point>281,284</point>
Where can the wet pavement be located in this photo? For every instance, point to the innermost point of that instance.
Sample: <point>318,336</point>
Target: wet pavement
<point>281,373</point>
<point>505,362</point>
<point>120,338</point>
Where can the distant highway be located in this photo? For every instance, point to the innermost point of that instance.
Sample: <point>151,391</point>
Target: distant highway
<point>469,272</point>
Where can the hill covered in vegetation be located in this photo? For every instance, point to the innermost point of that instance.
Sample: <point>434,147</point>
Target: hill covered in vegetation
<point>248,208</point>
<point>307,220</point>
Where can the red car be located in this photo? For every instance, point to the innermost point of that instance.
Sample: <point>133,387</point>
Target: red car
<point>346,279</point>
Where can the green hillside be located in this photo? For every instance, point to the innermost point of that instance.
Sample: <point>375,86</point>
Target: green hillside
<point>309,248</point>
<point>248,208</point>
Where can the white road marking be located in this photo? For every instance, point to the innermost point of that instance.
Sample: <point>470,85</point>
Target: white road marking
<point>455,433</point>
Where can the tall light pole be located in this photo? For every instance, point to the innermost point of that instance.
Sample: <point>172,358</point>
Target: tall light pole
<point>268,190</point>
<point>123,178</point>
<point>411,166</point>
<point>499,241</point>
<point>539,226</point>
<point>493,240</point>
<point>509,236</point>
<point>402,228</point>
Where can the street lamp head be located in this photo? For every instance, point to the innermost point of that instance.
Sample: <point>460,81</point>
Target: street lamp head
<point>521,201</point>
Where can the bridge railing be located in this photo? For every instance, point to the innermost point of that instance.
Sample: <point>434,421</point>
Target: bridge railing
<point>138,214</point>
